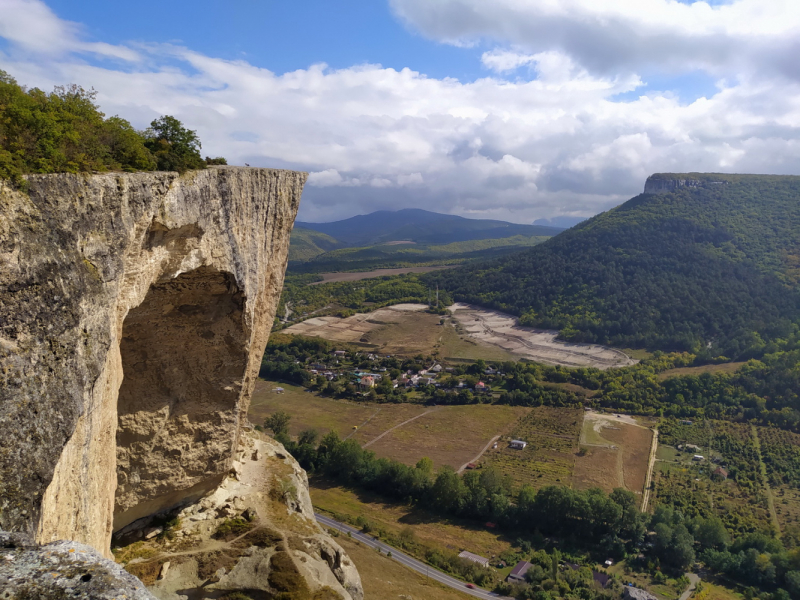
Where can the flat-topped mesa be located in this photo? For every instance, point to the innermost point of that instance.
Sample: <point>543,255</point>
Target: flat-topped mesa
<point>665,183</point>
<point>134,311</point>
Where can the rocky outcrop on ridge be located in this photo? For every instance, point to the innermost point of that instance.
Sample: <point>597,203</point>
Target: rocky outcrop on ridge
<point>256,534</point>
<point>134,312</point>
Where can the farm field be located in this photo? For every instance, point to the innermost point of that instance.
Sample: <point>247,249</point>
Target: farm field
<point>740,501</point>
<point>456,347</point>
<point>333,277</point>
<point>383,577</point>
<point>722,368</point>
<point>549,457</point>
<point>308,410</point>
<point>448,435</point>
<point>470,334</point>
<point>615,450</point>
<point>787,507</point>
<point>356,327</point>
<point>385,418</point>
<point>430,530</point>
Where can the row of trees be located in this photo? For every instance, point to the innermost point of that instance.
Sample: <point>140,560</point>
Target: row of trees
<point>609,525</point>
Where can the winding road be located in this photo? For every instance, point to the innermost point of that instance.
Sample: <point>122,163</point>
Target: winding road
<point>404,559</point>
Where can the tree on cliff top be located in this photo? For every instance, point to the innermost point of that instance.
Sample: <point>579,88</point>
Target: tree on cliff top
<point>175,147</point>
<point>65,132</point>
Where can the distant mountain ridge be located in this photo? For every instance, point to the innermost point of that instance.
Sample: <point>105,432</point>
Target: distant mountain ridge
<point>422,227</point>
<point>703,262</point>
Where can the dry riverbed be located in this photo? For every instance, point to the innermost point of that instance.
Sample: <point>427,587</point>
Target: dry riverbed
<point>499,329</point>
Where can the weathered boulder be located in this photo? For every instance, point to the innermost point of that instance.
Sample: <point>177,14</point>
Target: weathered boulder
<point>134,311</point>
<point>62,570</point>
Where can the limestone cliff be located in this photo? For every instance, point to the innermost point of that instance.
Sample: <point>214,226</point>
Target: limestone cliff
<point>665,183</point>
<point>134,310</point>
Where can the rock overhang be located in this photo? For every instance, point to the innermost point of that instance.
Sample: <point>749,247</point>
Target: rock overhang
<point>177,276</point>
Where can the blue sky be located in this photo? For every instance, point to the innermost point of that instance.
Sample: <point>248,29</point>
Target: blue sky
<point>279,36</point>
<point>510,109</point>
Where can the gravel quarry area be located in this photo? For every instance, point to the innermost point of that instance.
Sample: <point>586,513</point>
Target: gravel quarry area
<point>500,329</point>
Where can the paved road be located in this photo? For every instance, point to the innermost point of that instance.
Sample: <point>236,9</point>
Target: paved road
<point>411,563</point>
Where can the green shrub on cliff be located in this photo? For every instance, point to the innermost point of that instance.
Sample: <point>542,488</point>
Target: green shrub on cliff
<point>65,132</point>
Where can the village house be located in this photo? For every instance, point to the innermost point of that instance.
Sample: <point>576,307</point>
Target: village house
<point>517,574</point>
<point>698,458</point>
<point>484,562</point>
<point>689,447</point>
<point>436,368</point>
<point>720,473</point>
<point>480,387</point>
<point>367,382</point>
<point>517,444</point>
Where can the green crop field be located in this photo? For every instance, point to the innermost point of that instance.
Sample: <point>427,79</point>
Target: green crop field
<point>549,458</point>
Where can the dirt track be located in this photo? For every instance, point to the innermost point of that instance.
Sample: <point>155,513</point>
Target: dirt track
<point>502,330</point>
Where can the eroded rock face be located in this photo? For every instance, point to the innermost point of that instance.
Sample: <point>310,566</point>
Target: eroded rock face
<point>277,548</point>
<point>150,292</point>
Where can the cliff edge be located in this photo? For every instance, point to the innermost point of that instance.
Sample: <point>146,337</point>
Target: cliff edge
<point>134,311</point>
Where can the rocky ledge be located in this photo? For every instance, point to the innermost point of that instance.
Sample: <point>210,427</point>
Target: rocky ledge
<point>255,535</point>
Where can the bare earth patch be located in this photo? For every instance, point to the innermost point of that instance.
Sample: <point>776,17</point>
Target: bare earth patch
<point>356,327</point>
<point>539,345</point>
<point>622,437</point>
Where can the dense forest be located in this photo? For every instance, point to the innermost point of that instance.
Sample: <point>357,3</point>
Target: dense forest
<point>711,269</point>
<point>65,132</point>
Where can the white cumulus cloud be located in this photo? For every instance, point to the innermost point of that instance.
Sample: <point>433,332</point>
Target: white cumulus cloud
<point>570,134</point>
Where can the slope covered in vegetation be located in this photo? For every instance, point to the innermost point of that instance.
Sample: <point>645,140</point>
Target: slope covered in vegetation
<point>712,268</point>
<point>422,227</point>
<point>306,244</point>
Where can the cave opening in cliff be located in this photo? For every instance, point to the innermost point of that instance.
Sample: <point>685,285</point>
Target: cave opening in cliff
<point>184,353</point>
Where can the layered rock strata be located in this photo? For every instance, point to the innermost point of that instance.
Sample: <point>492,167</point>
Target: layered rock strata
<point>134,311</point>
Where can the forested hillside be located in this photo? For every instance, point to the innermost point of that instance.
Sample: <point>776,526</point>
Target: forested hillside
<point>307,243</point>
<point>712,268</point>
<point>422,227</point>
